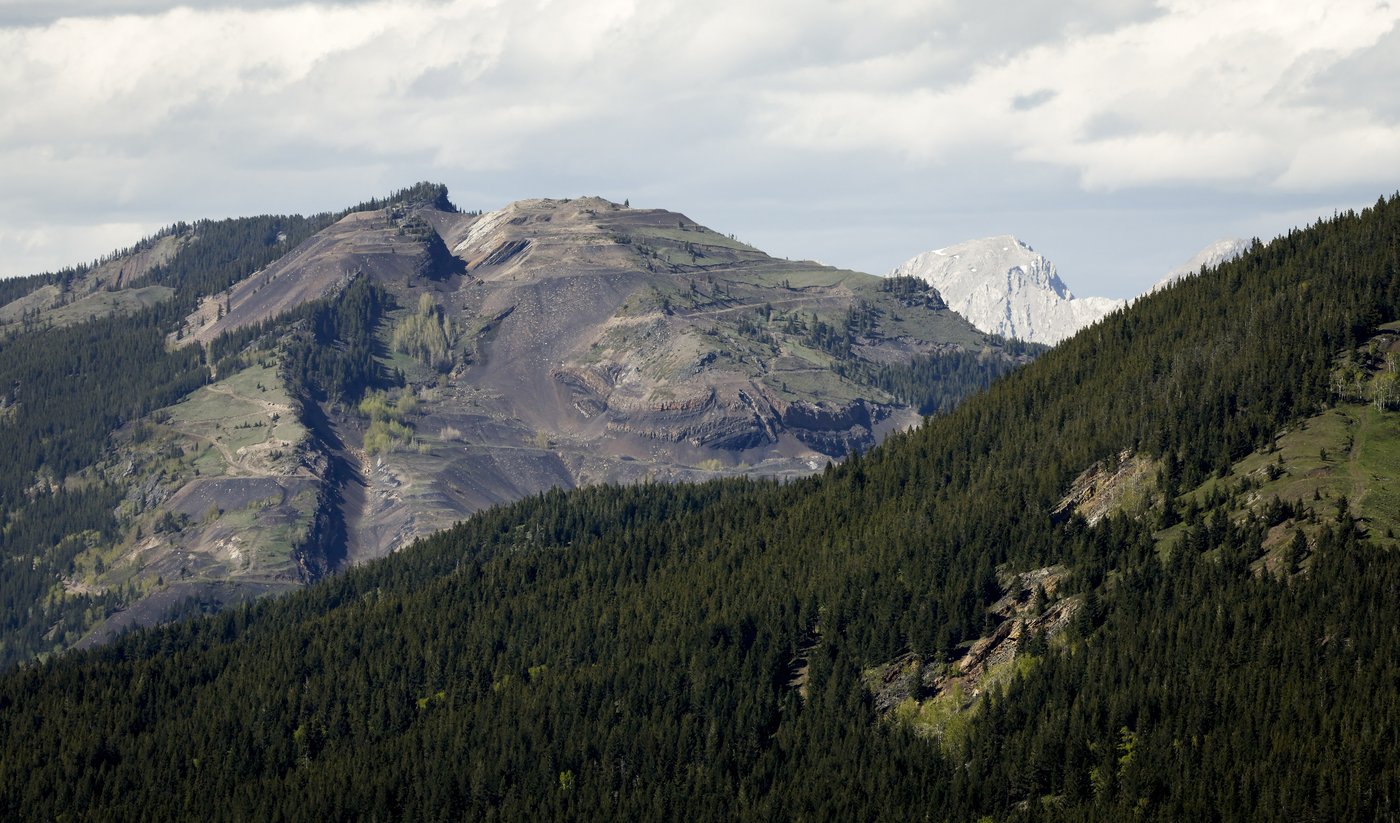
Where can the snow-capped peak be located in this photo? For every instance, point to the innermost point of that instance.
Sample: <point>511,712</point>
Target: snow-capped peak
<point>1003,286</point>
<point>1221,251</point>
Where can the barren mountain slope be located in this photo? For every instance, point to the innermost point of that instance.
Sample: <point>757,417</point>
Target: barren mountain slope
<point>382,244</point>
<point>594,343</point>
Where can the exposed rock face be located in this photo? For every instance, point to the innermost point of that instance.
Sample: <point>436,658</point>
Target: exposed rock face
<point>1029,608</point>
<point>706,419</point>
<point>835,429</point>
<point>1002,286</point>
<point>1221,251</point>
<point>1106,487</point>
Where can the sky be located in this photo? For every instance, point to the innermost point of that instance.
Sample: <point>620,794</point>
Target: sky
<point>1117,137</point>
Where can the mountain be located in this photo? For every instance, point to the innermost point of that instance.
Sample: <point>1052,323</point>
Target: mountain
<point>1221,251</point>
<point>1150,575</point>
<point>233,408</point>
<point>572,342</point>
<point>1001,285</point>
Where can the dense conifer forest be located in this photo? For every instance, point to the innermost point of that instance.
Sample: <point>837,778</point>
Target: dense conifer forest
<point>64,389</point>
<point>631,653</point>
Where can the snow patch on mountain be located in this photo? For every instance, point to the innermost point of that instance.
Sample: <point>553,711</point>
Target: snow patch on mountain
<point>1003,286</point>
<point>1221,251</point>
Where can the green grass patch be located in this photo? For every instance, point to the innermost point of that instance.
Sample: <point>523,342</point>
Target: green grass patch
<point>818,384</point>
<point>256,382</point>
<point>1376,468</point>
<point>799,276</point>
<point>208,462</point>
<point>208,411</point>
<point>96,304</point>
<point>1350,450</point>
<point>947,717</point>
<point>234,413</point>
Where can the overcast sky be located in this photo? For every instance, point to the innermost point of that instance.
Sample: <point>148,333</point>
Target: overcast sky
<point>1117,137</point>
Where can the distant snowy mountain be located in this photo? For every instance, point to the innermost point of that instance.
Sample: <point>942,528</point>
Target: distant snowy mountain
<point>1221,251</point>
<point>1003,286</point>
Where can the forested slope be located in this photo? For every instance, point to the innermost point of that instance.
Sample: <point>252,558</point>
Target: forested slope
<point>66,388</point>
<point>634,652</point>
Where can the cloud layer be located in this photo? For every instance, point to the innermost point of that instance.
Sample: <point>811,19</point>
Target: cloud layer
<point>870,133</point>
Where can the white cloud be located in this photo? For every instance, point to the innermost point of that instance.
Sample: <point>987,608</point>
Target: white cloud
<point>1166,158</point>
<point>140,112</point>
<point>1360,154</point>
<point>1207,93</point>
<point>30,248</point>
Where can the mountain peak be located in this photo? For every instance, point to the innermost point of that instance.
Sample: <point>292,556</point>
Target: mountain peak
<point>1003,286</point>
<point>1221,251</point>
<point>1006,241</point>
